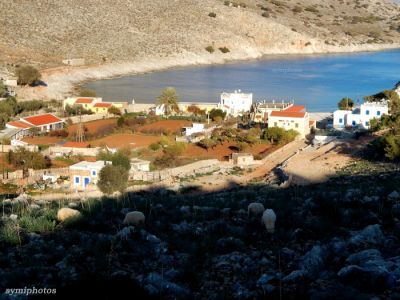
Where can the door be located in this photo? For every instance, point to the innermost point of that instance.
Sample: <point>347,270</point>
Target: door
<point>86,182</point>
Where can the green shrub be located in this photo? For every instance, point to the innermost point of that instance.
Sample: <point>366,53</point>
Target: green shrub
<point>154,146</point>
<point>212,14</point>
<point>39,224</point>
<point>224,49</point>
<point>10,234</point>
<point>87,93</point>
<point>210,49</point>
<point>27,75</point>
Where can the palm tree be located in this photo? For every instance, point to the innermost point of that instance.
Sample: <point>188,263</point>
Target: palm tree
<point>169,98</point>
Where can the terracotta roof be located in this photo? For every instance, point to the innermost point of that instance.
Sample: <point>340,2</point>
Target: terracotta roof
<point>42,119</point>
<point>19,124</point>
<point>84,100</point>
<point>102,104</point>
<point>295,108</point>
<point>75,145</point>
<point>286,114</point>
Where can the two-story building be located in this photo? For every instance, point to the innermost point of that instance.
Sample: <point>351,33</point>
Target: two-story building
<point>236,103</point>
<point>294,117</point>
<point>94,104</point>
<point>361,116</point>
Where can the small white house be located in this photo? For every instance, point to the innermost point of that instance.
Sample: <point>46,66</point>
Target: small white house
<point>242,159</point>
<point>294,117</point>
<point>360,117</point>
<point>140,165</point>
<point>196,128</point>
<point>85,172</point>
<point>235,103</point>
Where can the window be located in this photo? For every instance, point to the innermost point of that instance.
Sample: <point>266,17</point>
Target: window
<point>276,124</point>
<point>340,120</point>
<point>366,123</point>
<point>296,125</point>
<point>367,112</point>
<point>77,179</point>
<point>353,123</point>
<point>94,173</point>
<point>378,113</point>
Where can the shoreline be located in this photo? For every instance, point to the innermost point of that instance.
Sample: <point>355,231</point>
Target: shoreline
<point>63,81</point>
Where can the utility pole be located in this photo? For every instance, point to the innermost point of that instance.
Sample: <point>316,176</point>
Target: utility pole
<point>80,133</point>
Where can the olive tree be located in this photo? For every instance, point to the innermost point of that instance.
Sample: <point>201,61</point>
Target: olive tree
<point>27,75</point>
<point>113,179</point>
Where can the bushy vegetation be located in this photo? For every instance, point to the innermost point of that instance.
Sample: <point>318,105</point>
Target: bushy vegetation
<point>76,110</point>
<point>119,158</point>
<point>114,111</point>
<point>277,135</point>
<point>27,75</point>
<point>195,110</point>
<point>22,158</point>
<point>346,104</point>
<point>388,145</point>
<point>11,107</point>
<point>87,93</point>
<point>217,115</point>
<point>171,153</point>
<point>224,49</point>
<point>113,178</point>
<point>3,89</point>
<point>210,49</point>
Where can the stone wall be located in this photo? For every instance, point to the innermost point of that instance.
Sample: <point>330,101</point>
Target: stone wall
<point>199,167</point>
<point>59,151</point>
<point>88,118</point>
<point>7,148</point>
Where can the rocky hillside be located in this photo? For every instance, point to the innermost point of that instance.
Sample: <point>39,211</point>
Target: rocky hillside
<point>337,240</point>
<point>45,32</point>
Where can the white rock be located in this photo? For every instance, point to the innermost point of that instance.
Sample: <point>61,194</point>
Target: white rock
<point>67,213</point>
<point>134,218</point>
<point>269,219</point>
<point>255,209</point>
<point>13,217</point>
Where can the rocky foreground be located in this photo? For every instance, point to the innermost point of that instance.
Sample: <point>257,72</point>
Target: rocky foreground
<point>338,240</point>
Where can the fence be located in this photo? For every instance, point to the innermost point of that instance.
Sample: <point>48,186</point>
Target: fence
<point>88,118</point>
<point>33,175</point>
<point>7,148</point>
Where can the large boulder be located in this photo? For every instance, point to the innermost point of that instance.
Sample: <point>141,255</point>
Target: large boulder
<point>66,213</point>
<point>370,235</point>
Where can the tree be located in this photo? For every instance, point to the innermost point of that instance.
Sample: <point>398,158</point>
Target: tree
<point>22,158</point>
<point>392,147</point>
<point>120,159</point>
<point>28,75</point>
<point>88,93</point>
<point>346,104</point>
<point>273,134</point>
<point>113,179</point>
<point>114,111</point>
<point>3,89</point>
<point>195,110</point>
<point>169,99</point>
<point>217,114</point>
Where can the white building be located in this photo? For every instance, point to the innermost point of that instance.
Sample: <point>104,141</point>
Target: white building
<point>196,128</point>
<point>360,117</point>
<point>44,123</point>
<point>85,172</point>
<point>235,103</point>
<point>294,117</point>
<point>140,165</point>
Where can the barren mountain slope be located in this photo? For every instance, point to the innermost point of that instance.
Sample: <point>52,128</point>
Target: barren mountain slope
<point>121,30</point>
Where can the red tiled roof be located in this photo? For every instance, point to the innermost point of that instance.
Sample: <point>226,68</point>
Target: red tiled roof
<point>289,114</point>
<point>42,119</point>
<point>84,100</point>
<point>102,104</point>
<point>19,124</point>
<point>295,108</point>
<point>75,145</point>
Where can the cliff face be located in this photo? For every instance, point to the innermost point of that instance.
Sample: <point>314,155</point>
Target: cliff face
<point>45,32</point>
